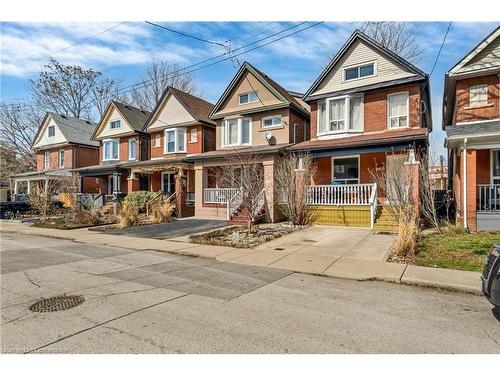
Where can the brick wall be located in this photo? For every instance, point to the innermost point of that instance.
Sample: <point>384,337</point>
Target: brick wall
<point>86,156</point>
<point>196,147</point>
<point>464,113</point>
<point>54,158</point>
<point>209,139</point>
<point>301,129</point>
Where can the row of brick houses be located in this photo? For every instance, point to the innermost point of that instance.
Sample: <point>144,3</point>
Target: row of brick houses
<point>368,108</point>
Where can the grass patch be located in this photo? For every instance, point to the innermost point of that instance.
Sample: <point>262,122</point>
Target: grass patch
<point>459,251</point>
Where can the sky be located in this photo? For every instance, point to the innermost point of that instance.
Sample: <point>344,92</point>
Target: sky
<point>122,50</point>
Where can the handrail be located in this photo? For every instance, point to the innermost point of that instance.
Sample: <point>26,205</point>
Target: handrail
<point>373,205</point>
<point>260,202</point>
<point>234,203</point>
<point>218,195</point>
<point>151,201</point>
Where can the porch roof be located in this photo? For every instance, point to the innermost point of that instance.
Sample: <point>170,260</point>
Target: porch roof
<point>42,175</point>
<point>101,169</point>
<point>228,152</point>
<point>393,140</point>
<point>158,164</point>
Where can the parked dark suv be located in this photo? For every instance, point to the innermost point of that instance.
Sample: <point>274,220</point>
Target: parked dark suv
<point>491,276</point>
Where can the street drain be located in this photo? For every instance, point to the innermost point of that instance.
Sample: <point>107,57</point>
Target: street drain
<point>309,241</point>
<point>279,248</point>
<point>57,303</point>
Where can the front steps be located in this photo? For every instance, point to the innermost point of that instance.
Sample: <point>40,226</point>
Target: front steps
<point>384,221</point>
<point>239,217</point>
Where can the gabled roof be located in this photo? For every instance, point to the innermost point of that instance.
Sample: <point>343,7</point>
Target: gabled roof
<point>475,51</point>
<point>280,92</point>
<point>75,130</point>
<point>359,35</point>
<point>134,116</point>
<point>197,107</point>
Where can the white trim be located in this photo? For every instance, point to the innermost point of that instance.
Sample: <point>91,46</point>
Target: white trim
<point>239,122</point>
<point>465,183</point>
<point>346,157</point>
<point>407,110</point>
<point>129,149</point>
<point>256,92</point>
<point>272,118</point>
<point>347,115</point>
<point>119,121</point>
<point>475,122</point>
<point>375,70</point>
<point>191,135</point>
<point>161,184</point>
<point>157,137</point>
<point>176,140</point>
<point>476,86</point>
<point>59,157</point>
<point>104,150</point>
<point>46,160</point>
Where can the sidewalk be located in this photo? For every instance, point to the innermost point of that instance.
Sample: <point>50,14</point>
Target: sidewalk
<point>306,251</point>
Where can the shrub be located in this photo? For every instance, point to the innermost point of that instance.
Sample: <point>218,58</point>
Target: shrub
<point>128,215</point>
<point>450,229</point>
<point>162,213</point>
<point>139,198</point>
<point>406,241</point>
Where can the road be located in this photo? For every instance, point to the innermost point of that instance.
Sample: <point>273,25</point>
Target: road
<point>153,302</point>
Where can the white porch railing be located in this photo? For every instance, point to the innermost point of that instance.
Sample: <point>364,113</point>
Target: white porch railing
<point>234,203</point>
<point>488,197</point>
<point>218,195</point>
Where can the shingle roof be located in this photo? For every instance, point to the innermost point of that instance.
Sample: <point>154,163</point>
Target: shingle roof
<point>463,130</point>
<point>198,107</point>
<point>75,130</point>
<point>134,116</point>
<point>228,152</point>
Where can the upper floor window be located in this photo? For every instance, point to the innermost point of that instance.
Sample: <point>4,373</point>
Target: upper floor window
<point>271,121</point>
<point>397,110</point>
<point>158,140</point>
<point>193,135</point>
<point>236,132</point>
<point>115,124</point>
<point>478,95</point>
<point>339,115</point>
<point>46,160</point>
<point>175,140</point>
<point>249,97</point>
<point>61,158</point>
<point>52,130</point>
<point>110,149</point>
<point>132,150</point>
<point>360,71</point>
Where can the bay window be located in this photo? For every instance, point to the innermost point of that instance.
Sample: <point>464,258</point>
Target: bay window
<point>341,115</point>
<point>110,149</point>
<point>132,151</point>
<point>398,110</point>
<point>175,140</point>
<point>236,132</point>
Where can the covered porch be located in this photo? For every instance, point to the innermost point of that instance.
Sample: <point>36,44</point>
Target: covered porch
<point>47,181</point>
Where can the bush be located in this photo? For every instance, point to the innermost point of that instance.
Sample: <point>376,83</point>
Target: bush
<point>128,215</point>
<point>406,241</point>
<point>139,198</point>
<point>449,228</point>
<point>162,213</point>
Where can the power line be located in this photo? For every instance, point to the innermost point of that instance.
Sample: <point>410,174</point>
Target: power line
<point>440,48</point>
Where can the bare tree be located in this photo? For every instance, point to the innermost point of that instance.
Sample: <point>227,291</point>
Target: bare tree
<point>40,199</point>
<point>293,174</point>
<point>246,173</point>
<point>71,90</point>
<point>103,93</point>
<point>158,76</point>
<point>427,196</point>
<point>399,37</point>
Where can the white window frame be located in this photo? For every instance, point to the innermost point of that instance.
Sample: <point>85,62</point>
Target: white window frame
<point>46,160</point>
<point>157,142</point>
<point>195,131</point>
<point>134,149</point>
<point>493,178</point>
<point>62,160</point>
<point>249,101</point>
<point>176,138</point>
<point>225,133</point>
<point>475,105</point>
<point>272,118</point>
<point>347,116</point>
<point>104,141</point>
<point>407,110</point>
<point>359,66</point>
<point>115,127</point>
<point>346,157</point>
<point>162,178</point>
<point>48,131</point>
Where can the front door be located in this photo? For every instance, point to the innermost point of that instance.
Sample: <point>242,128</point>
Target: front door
<point>168,183</point>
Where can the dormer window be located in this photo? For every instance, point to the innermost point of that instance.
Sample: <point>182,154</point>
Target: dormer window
<point>115,124</point>
<point>52,131</point>
<point>359,71</point>
<point>249,97</point>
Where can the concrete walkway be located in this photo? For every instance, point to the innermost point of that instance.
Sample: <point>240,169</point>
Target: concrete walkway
<point>350,253</point>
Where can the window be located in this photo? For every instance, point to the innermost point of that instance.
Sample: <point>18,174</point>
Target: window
<point>168,183</point>
<point>46,160</point>
<point>269,122</point>
<point>175,140</point>
<point>132,150</point>
<point>52,130</point>
<point>193,135</point>
<point>361,71</point>
<point>115,124</point>
<point>158,140</point>
<point>478,95</point>
<point>345,171</point>
<point>249,97</point>
<point>398,110</point>
<point>495,167</point>
<point>236,132</point>
<point>110,149</point>
<point>344,114</point>
<point>61,158</point>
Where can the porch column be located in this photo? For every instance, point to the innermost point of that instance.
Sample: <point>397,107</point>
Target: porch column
<point>180,192</point>
<point>132,183</point>
<point>29,186</point>
<point>271,214</point>
<point>116,183</point>
<point>413,174</point>
<point>80,184</point>
<point>470,182</point>
<point>46,185</point>
<point>199,184</point>
<point>15,187</point>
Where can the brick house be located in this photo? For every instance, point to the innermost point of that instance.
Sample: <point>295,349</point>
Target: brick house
<point>471,119</point>
<point>254,116</point>
<point>121,140</point>
<point>61,144</point>
<point>368,107</point>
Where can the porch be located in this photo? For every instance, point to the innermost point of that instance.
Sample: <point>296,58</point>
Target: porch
<point>488,207</point>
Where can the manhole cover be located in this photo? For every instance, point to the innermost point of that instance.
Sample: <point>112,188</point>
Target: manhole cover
<point>57,303</point>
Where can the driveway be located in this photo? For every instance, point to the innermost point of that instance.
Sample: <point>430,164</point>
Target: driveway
<point>176,229</point>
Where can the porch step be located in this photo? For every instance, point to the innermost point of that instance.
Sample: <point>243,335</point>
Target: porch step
<point>384,221</point>
<point>240,216</point>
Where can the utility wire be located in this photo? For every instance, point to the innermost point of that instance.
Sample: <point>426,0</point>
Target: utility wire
<point>440,48</point>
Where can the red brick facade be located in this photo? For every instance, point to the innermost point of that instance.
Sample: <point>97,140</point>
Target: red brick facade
<point>465,113</point>
<point>298,127</point>
<point>75,156</point>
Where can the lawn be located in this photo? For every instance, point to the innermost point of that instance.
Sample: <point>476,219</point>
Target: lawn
<point>455,251</point>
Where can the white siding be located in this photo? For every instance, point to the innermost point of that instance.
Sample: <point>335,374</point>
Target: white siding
<point>44,139</point>
<point>105,130</point>
<point>359,53</point>
<point>171,113</point>
<point>489,57</point>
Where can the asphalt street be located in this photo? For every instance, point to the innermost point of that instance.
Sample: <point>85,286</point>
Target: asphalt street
<point>153,302</point>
